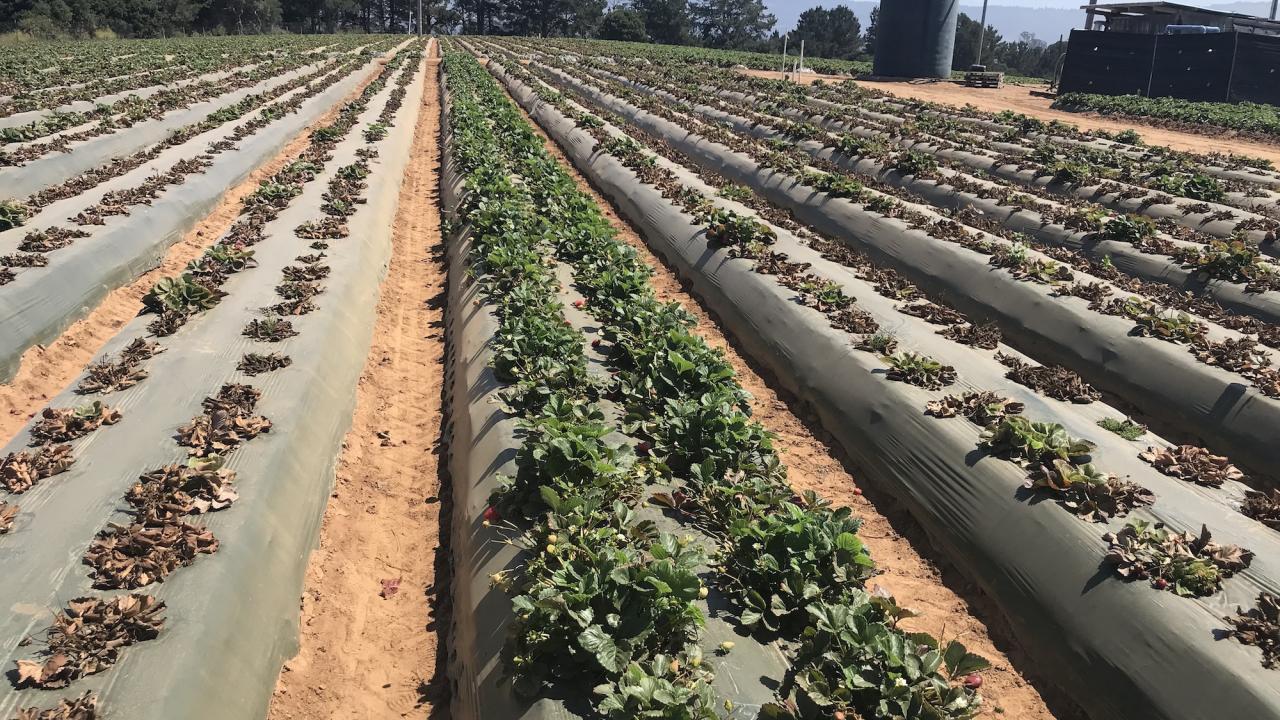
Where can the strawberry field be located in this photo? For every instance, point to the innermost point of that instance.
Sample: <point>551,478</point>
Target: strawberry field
<point>1050,355</point>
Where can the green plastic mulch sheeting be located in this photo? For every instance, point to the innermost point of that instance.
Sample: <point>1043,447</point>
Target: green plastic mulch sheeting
<point>1122,650</point>
<point>232,617</point>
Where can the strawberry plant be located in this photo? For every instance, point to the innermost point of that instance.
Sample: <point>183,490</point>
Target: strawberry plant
<point>183,295</point>
<point>20,471</point>
<point>1186,564</point>
<point>726,228</point>
<point>12,214</point>
<point>66,424</point>
<point>87,637</point>
<point>855,662</point>
<point>1018,438</point>
<point>668,687</point>
<point>779,564</point>
<point>589,604</point>
<point>915,162</point>
<point>1193,464</point>
<point>1126,428</point>
<point>565,455</point>
<point>1131,229</point>
<point>916,369</point>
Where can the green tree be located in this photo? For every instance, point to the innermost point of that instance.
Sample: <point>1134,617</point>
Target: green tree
<point>968,31</point>
<point>623,23</point>
<point>665,21</point>
<point>731,24</point>
<point>834,33</point>
<point>869,43</point>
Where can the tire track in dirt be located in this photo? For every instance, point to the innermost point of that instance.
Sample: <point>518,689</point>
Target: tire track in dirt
<point>364,655</point>
<point>951,607</point>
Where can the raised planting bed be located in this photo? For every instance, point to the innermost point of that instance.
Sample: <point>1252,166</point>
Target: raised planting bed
<point>1050,223</point>
<point>1122,649</point>
<point>41,302</point>
<point>1157,377</point>
<point>231,618</point>
<point>592,493</point>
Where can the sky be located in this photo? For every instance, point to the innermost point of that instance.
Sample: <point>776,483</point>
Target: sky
<point>788,10</point>
<point>1009,16</point>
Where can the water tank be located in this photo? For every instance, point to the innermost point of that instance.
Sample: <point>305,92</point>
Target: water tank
<point>915,38</point>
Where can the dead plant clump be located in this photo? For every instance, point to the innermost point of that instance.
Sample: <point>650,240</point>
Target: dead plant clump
<point>21,470</point>
<point>199,486</point>
<point>7,514</point>
<point>1263,507</point>
<point>66,424</point>
<point>87,637</point>
<point>1193,464</point>
<point>330,228</point>
<point>269,329</point>
<point>256,363</point>
<point>1260,626</point>
<point>127,557</point>
<point>226,422</point>
<point>933,313</point>
<point>84,707</point>
<point>123,372</point>
<point>986,336</point>
<point>1053,381</point>
<point>981,408</point>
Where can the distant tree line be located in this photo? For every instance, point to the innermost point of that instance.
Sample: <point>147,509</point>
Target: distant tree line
<point>1027,55</point>
<point>834,32</point>
<point>164,18</point>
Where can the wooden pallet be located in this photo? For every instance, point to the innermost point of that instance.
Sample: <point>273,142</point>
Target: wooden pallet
<point>984,79</point>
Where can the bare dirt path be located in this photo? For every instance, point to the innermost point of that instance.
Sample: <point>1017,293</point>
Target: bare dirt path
<point>46,369</point>
<point>950,607</point>
<point>1023,99</point>
<point>369,643</point>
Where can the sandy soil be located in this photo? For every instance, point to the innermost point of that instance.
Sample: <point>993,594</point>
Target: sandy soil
<point>950,607</point>
<point>1023,99</point>
<point>46,369</point>
<point>366,651</point>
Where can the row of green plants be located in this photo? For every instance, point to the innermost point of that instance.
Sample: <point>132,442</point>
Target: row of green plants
<point>780,156</point>
<point>1057,464</point>
<point>54,74</point>
<point>792,564</point>
<point>1171,173</point>
<point>1205,117</point>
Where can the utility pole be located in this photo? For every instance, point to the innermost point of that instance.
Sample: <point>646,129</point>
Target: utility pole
<point>1273,8</point>
<point>1088,16</point>
<point>419,19</point>
<point>982,32</point>
<point>801,65</point>
<point>784,54</point>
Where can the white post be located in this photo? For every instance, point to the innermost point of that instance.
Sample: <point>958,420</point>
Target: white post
<point>801,66</point>
<point>783,69</point>
<point>982,32</point>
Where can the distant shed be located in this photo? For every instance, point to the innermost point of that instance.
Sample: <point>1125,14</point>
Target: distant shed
<point>1163,49</point>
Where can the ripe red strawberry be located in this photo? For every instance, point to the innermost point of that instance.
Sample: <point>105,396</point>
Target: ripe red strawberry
<point>491,514</point>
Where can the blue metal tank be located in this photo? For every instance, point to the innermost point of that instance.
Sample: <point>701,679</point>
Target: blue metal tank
<point>915,38</point>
